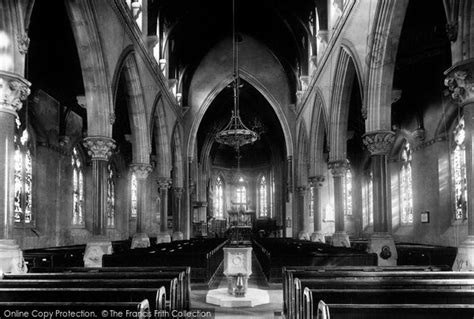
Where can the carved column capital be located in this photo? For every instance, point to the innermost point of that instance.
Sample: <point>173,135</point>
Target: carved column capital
<point>460,82</point>
<point>141,170</point>
<point>316,181</point>
<point>338,168</point>
<point>23,43</point>
<point>99,147</point>
<point>178,192</point>
<point>13,90</point>
<point>379,142</point>
<point>163,183</point>
<point>301,190</point>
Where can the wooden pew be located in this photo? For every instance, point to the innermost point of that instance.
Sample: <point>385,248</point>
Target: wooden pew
<point>389,310</point>
<point>76,309</point>
<point>386,311</point>
<point>329,273</point>
<point>182,273</point>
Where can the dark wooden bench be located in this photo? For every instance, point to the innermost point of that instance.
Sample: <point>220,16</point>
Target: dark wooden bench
<point>329,273</point>
<point>276,253</point>
<point>181,273</point>
<point>458,301</point>
<point>386,311</point>
<point>76,309</point>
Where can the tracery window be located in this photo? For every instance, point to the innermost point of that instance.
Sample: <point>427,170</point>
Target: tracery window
<point>110,196</point>
<point>406,188</point>
<point>219,199</point>
<point>77,188</point>
<point>368,201</point>
<point>347,191</point>
<point>23,179</point>
<point>134,196</point>
<point>262,198</point>
<point>241,193</point>
<point>459,172</point>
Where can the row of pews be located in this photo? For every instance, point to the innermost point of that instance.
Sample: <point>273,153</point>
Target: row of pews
<point>96,292</point>
<point>202,255</point>
<point>377,292</point>
<point>275,253</point>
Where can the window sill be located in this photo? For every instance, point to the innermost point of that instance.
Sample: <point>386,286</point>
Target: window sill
<point>458,222</point>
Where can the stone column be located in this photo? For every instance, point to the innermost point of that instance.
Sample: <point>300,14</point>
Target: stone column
<point>13,90</point>
<point>379,144</point>
<point>163,186</point>
<point>141,171</point>
<point>338,170</point>
<point>100,149</point>
<point>178,194</point>
<point>302,217</point>
<point>317,182</point>
<point>461,83</point>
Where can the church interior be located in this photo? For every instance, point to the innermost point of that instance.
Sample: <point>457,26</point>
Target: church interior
<point>237,158</point>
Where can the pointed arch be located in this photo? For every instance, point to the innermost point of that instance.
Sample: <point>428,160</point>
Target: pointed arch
<point>177,156</point>
<point>318,134</point>
<point>127,64</point>
<point>303,155</point>
<point>159,129</point>
<point>340,100</point>
<point>260,88</point>
<point>385,36</point>
<point>99,100</point>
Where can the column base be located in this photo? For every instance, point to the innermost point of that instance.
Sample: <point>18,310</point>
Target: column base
<point>140,240</point>
<point>302,235</point>
<point>11,257</point>
<point>318,236</point>
<point>163,238</point>
<point>95,249</point>
<point>384,246</point>
<point>465,258</point>
<point>340,239</point>
<point>177,235</point>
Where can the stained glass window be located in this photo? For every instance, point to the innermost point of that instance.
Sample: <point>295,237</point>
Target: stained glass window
<point>134,196</point>
<point>241,194</point>
<point>110,197</point>
<point>406,190</point>
<point>368,201</point>
<point>77,188</point>
<point>219,199</point>
<point>23,179</point>
<point>347,192</point>
<point>262,198</point>
<point>459,172</point>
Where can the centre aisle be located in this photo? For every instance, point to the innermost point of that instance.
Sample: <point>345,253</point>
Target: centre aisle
<point>257,280</point>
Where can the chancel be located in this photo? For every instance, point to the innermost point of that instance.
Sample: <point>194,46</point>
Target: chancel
<point>272,158</point>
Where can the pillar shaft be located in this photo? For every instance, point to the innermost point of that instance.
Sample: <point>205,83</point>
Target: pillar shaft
<point>163,185</point>
<point>302,217</point>
<point>177,222</point>
<point>316,183</point>
<point>141,172</point>
<point>13,89</point>
<point>338,170</point>
<point>100,149</point>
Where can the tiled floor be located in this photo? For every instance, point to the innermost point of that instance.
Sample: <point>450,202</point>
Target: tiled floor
<point>256,280</point>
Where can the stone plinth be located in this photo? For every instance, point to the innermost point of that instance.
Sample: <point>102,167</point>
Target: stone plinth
<point>140,240</point>
<point>340,239</point>
<point>252,298</point>
<point>318,236</point>
<point>384,246</point>
<point>11,257</point>
<point>465,258</point>
<point>237,269</point>
<point>95,250</point>
<point>163,238</point>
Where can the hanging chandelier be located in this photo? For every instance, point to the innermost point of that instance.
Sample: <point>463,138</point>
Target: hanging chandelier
<point>235,133</point>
